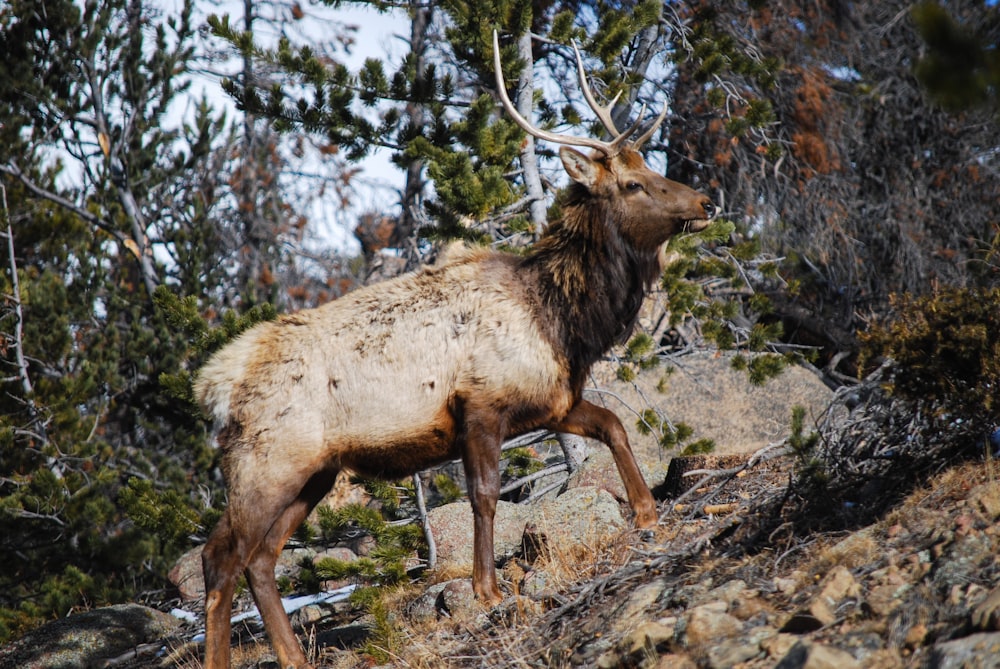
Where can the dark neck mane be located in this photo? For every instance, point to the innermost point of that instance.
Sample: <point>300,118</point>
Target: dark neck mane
<point>590,279</point>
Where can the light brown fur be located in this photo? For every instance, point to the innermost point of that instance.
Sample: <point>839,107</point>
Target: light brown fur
<point>393,354</point>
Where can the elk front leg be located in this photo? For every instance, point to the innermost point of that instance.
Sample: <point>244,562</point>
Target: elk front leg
<point>588,420</point>
<point>481,458</point>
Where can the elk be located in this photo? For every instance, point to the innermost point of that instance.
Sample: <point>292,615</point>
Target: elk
<point>440,364</point>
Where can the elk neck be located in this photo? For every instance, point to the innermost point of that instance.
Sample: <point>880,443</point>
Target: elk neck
<point>590,279</point>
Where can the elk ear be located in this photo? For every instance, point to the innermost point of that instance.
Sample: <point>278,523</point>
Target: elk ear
<point>579,167</point>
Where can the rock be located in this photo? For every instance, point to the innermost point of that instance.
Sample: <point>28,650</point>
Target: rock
<point>452,528</point>
<point>707,625</point>
<point>649,637</point>
<point>425,608</point>
<point>187,576</point>
<point>976,651</point>
<point>290,561</point>
<point>886,658</point>
<point>838,585</point>
<point>580,515</point>
<point>884,599</point>
<point>985,498</point>
<point>451,599</point>
<point>458,601</point>
<point>609,659</point>
<point>856,549</point>
<point>672,661</point>
<point>730,653</point>
<point>341,553</point>
<point>634,609</point>
<point>308,616</point>
<point>344,636</point>
<point>807,655</point>
<point>786,586</point>
<point>537,584</point>
<point>986,614</point>
<point>816,615</point>
<point>777,646</point>
<point>599,471</point>
<point>729,592</point>
<point>89,639</point>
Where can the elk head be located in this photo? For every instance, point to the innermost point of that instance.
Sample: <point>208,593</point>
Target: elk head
<point>649,207</point>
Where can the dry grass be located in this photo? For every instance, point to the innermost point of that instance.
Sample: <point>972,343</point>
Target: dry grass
<point>568,563</point>
<point>856,550</point>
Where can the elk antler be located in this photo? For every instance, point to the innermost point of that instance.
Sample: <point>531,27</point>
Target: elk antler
<point>603,113</point>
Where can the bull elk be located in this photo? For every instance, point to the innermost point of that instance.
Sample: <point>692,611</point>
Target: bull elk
<point>436,365</point>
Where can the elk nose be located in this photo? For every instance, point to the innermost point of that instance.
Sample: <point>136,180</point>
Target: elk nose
<point>710,209</point>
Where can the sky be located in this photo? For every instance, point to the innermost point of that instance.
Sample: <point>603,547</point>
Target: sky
<point>378,36</point>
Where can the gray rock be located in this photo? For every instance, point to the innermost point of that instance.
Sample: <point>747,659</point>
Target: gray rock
<point>634,611</point>
<point>577,516</point>
<point>452,528</point>
<point>458,600</point>
<point>187,576</point>
<point>648,638</point>
<point>88,639</point>
<point>807,655</point>
<point>976,651</point>
<point>709,624</point>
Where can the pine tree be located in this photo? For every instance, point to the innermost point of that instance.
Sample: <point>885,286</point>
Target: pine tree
<point>99,466</point>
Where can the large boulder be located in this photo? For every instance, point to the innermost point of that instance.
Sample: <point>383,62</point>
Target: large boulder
<point>719,402</point>
<point>581,515</point>
<point>88,639</point>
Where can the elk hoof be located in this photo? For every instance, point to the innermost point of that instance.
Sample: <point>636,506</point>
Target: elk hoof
<point>646,519</point>
<point>489,601</point>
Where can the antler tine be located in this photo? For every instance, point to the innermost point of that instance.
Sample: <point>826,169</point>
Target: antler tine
<point>608,148</point>
<point>649,133</point>
<point>603,113</point>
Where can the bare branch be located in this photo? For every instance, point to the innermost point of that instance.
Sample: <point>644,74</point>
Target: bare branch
<point>13,170</point>
<point>15,298</point>
<point>425,522</point>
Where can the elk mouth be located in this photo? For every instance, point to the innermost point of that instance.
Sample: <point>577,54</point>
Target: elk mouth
<point>699,224</point>
<point>696,224</point>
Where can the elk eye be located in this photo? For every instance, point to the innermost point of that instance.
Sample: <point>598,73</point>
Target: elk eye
<point>633,186</point>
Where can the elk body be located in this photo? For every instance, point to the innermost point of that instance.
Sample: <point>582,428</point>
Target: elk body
<point>441,364</point>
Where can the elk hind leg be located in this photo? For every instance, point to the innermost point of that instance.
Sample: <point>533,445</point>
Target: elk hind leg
<point>260,570</point>
<point>224,557</point>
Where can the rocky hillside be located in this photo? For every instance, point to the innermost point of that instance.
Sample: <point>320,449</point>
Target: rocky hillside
<point>865,544</point>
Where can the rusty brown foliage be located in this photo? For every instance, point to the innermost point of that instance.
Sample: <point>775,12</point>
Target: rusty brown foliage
<point>862,182</point>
